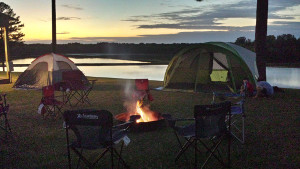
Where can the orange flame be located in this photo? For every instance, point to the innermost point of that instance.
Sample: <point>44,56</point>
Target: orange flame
<point>146,115</point>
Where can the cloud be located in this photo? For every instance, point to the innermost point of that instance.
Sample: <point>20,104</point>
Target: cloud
<point>63,33</point>
<point>133,20</point>
<point>199,27</point>
<point>208,16</point>
<point>182,37</point>
<point>72,7</point>
<point>67,18</point>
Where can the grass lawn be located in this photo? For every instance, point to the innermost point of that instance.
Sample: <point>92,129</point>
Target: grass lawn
<point>272,130</point>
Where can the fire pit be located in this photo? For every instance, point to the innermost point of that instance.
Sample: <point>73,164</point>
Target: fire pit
<point>138,103</point>
<point>149,121</point>
<point>142,126</point>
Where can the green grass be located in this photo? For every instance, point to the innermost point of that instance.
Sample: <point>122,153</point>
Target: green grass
<point>272,130</point>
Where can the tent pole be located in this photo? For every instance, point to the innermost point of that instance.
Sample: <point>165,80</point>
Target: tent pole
<point>231,74</point>
<point>5,34</point>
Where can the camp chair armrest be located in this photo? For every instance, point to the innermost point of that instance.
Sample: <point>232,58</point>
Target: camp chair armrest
<point>128,124</point>
<point>172,122</point>
<point>125,125</point>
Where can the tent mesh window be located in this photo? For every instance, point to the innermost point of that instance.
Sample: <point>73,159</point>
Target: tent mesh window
<point>42,66</point>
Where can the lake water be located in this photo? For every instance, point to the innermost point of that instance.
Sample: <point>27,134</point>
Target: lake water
<point>284,77</point>
<point>281,77</point>
<point>152,72</point>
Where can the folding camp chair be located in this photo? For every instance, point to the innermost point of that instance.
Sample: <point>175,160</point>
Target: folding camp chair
<point>50,102</point>
<point>142,91</point>
<point>79,87</point>
<point>209,130</point>
<point>94,130</point>
<point>4,109</point>
<point>237,112</point>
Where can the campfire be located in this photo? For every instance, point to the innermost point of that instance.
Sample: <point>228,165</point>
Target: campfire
<point>144,111</point>
<point>138,103</point>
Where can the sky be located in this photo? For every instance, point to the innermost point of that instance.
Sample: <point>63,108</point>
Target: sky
<point>152,21</point>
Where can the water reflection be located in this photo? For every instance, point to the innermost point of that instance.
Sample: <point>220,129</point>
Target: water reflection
<point>284,77</point>
<point>82,60</point>
<point>281,77</point>
<point>152,72</point>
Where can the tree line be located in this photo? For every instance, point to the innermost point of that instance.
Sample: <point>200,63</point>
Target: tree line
<point>280,49</point>
<point>283,48</point>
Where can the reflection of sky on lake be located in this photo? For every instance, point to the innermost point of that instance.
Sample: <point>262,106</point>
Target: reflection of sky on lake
<point>281,77</point>
<point>102,60</point>
<point>284,77</point>
<point>152,72</point>
<point>82,60</point>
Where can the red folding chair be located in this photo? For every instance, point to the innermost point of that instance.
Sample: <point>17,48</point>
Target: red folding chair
<point>50,102</point>
<point>78,85</point>
<point>142,91</point>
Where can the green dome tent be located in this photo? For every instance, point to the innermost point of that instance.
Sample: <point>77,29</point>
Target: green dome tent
<point>212,66</point>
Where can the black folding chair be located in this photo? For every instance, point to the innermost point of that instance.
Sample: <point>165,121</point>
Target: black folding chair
<point>209,130</point>
<point>94,130</point>
<point>237,113</point>
<point>4,109</point>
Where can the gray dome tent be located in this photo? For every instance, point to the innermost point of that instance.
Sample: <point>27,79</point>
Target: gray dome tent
<point>45,70</point>
<point>212,66</point>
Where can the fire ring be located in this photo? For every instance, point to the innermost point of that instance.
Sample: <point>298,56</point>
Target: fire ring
<point>143,126</point>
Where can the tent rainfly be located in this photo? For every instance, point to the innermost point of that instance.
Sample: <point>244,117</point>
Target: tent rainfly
<point>45,70</point>
<point>212,66</point>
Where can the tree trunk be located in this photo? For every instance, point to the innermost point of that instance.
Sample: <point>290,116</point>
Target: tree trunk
<point>260,37</point>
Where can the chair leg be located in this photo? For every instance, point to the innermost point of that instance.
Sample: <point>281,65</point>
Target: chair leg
<point>243,129</point>
<point>90,165</point>
<point>211,151</point>
<point>112,157</point>
<point>7,126</point>
<point>120,153</point>
<point>184,148</point>
<point>68,148</point>
<point>240,132</point>
<point>120,159</point>
<point>229,145</point>
<point>196,158</point>
<point>101,155</point>
<point>79,159</point>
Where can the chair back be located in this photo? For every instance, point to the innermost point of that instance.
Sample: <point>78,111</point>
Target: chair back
<point>91,127</point>
<point>72,75</point>
<point>75,79</point>
<point>211,119</point>
<point>48,92</point>
<point>142,84</point>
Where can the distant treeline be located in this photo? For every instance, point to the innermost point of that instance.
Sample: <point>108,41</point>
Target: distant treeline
<point>281,49</point>
<point>29,50</point>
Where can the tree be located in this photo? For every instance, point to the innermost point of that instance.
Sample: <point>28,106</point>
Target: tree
<point>246,43</point>
<point>15,35</point>
<point>261,36</point>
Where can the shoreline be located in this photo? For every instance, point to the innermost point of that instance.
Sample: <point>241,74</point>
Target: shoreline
<point>283,65</point>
